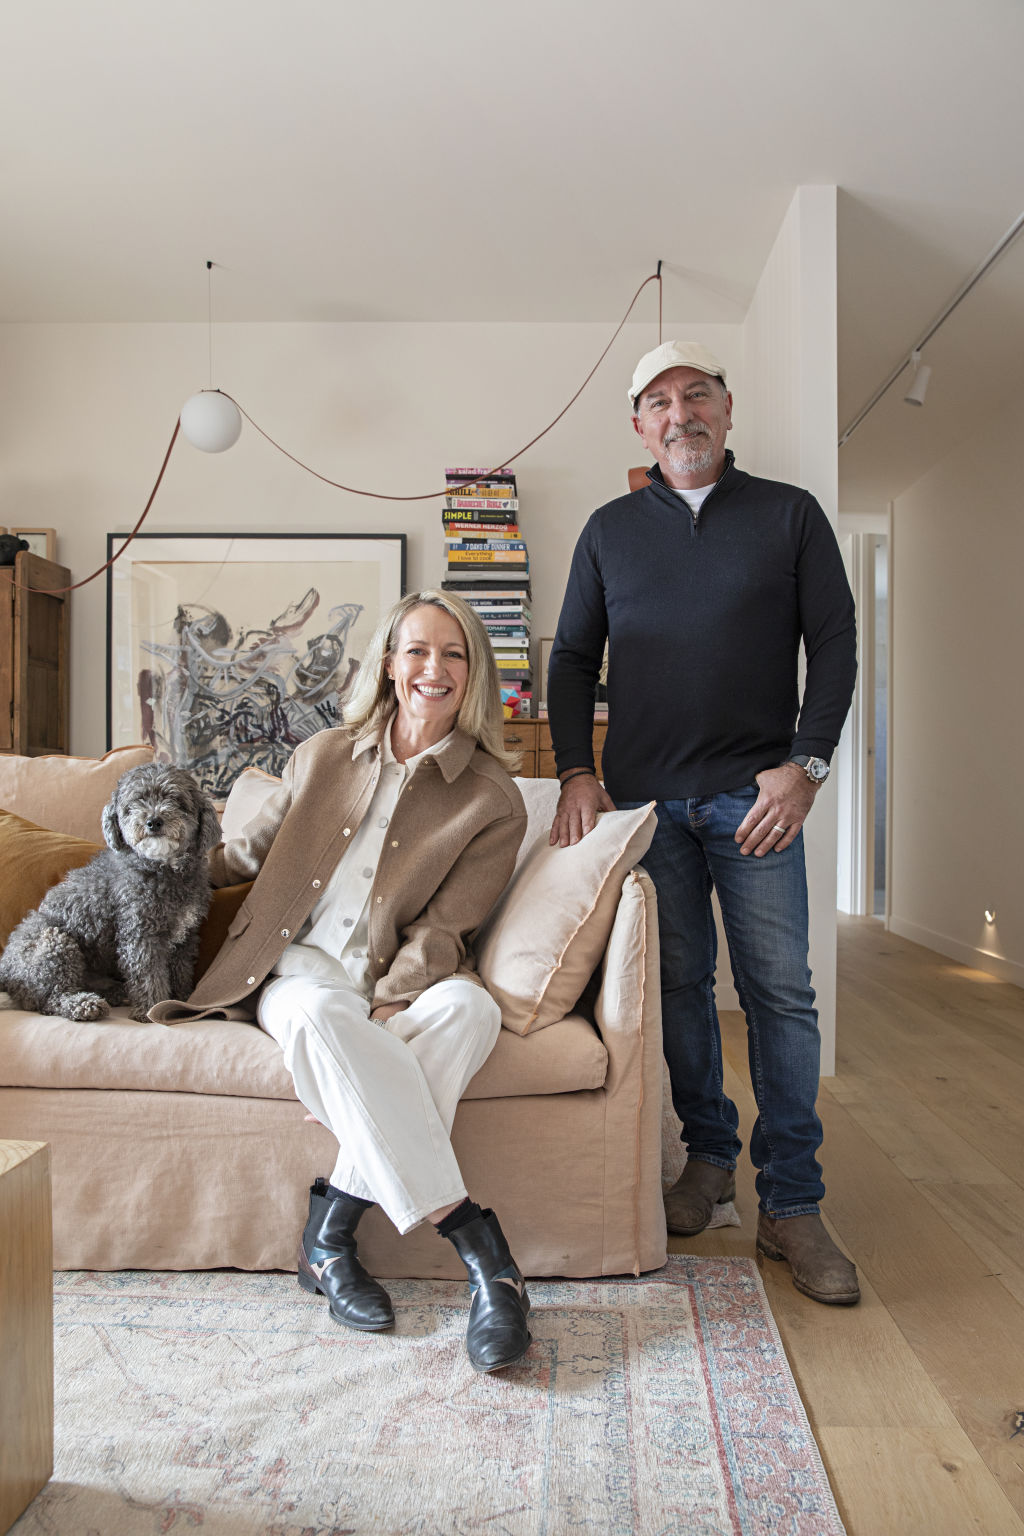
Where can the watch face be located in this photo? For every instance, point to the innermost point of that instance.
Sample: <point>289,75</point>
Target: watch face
<point>817,769</point>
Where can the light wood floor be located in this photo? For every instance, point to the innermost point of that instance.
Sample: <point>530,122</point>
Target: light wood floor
<point>913,1394</point>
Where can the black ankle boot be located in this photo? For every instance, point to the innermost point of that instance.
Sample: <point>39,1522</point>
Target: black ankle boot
<point>497,1334</point>
<point>328,1263</point>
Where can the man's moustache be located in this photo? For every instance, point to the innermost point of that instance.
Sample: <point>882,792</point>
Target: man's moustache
<point>675,437</point>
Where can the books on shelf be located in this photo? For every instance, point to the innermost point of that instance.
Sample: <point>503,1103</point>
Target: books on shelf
<point>487,563</point>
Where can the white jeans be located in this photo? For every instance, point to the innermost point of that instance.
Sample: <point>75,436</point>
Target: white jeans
<point>387,1091</point>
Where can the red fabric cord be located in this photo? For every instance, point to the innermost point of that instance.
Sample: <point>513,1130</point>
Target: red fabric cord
<point>655,277</point>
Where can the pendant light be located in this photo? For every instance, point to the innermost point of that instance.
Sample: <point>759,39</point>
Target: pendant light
<point>210,420</point>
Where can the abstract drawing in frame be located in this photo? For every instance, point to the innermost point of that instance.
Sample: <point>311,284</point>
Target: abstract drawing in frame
<point>226,650</point>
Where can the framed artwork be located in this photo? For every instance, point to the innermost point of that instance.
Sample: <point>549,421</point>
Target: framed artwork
<point>41,541</point>
<point>224,651</point>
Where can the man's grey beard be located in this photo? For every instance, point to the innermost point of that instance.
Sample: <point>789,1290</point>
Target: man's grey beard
<point>691,453</point>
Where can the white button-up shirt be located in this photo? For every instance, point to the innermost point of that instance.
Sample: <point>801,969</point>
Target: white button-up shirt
<point>332,943</point>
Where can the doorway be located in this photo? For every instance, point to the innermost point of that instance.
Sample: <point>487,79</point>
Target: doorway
<point>863,874</point>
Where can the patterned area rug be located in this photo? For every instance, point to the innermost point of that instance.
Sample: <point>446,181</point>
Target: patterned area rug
<point>228,1404</point>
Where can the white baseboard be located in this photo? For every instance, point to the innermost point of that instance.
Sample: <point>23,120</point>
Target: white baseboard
<point>967,954</point>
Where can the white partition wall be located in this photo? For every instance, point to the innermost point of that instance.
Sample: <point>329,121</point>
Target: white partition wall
<point>788,415</point>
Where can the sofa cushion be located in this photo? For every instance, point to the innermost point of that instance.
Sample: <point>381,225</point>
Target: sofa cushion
<point>220,1056</point>
<point>66,794</point>
<point>540,945</point>
<point>33,859</point>
<point>245,800</point>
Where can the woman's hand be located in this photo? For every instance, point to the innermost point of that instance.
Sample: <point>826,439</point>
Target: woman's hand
<point>387,1011</point>
<point>578,804</point>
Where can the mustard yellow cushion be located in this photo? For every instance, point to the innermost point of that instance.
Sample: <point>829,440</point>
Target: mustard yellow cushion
<point>31,860</point>
<point>542,941</point>
<point>214,931</point>
<point>66,794</point>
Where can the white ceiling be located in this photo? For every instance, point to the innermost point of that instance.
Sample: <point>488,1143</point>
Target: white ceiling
<point>528,161</point>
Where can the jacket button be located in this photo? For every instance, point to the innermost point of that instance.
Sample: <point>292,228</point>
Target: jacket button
<point>379,900</point>
<point>285,933</point>
<point>316,885</point>
<point>347,832</point>
<point>250,981</point>
<point>394,842</point>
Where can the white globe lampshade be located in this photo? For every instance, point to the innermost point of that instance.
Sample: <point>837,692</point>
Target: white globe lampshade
<point>211,421</point>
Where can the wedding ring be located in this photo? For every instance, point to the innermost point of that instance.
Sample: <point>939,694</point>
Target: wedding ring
<point>777,828</point>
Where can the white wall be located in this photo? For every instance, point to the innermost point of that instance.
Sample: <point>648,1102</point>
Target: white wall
<point>789,406</point>
<point>86,413</point>
<point>958,717</point>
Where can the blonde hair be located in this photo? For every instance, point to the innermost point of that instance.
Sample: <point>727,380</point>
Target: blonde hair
<point>372,699</point>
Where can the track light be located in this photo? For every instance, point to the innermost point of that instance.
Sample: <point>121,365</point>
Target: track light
<point>922,373</point>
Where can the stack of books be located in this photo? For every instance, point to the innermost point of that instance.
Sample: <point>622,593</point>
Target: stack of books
<point>487,564</point>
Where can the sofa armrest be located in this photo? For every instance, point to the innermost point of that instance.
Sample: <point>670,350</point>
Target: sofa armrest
<point>627,1012</point>
<point>627,1009</point>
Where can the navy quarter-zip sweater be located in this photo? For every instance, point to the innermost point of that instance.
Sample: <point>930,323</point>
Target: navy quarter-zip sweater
<point>704,623</point>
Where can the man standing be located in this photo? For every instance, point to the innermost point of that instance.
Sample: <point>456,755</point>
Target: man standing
<point>704,583</point>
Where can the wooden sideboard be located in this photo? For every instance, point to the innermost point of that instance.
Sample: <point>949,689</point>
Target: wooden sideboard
<point>34,649</point>
<point>533,739</point>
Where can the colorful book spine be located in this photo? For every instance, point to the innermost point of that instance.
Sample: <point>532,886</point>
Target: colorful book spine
<point>455,515</point>
<point>484,544</point>
<point>488,558</point>
<point>482,530</point>
<point>489,503</point>
<point>480,472</point>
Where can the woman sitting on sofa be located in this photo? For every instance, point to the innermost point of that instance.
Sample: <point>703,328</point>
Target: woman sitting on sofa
<point>387,843</point>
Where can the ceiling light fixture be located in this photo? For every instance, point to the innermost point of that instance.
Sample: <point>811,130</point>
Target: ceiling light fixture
<point>919,388</point>
<point>210,420</point>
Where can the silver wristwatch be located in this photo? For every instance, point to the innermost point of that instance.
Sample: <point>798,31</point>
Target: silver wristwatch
<point>816,768</point>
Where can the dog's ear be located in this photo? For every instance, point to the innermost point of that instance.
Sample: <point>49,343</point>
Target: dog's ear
<point>112,833</point>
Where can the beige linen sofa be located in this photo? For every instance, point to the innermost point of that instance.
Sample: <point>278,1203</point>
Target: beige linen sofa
<point>184,1147</point>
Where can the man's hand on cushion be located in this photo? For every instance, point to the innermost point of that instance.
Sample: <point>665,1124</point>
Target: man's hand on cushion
<point>578,804</point>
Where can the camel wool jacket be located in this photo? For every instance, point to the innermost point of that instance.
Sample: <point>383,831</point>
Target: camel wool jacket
<point>450,852</point>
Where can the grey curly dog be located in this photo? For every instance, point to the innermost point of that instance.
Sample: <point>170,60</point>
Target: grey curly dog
<point>124,927</point>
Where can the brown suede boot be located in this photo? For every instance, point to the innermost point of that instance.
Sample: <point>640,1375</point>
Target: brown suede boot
<point>694,1195</point>
<point>820,1271</point>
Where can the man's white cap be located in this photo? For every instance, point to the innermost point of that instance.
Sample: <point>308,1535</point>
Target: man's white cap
<point>672,354</point>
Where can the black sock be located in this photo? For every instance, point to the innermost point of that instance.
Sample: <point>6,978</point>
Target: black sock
<point>462,1214</point>
<point>342,1194</point>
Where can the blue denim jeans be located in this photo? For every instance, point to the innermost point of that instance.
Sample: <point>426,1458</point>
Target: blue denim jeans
<point>764,909</point>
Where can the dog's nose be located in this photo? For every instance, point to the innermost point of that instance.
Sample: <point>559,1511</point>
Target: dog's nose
<point>154,823</point>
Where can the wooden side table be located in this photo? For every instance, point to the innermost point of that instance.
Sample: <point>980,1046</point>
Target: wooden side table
<point>26,1326</point>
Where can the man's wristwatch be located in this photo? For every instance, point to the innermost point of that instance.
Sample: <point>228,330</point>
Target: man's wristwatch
<point>816,768</point>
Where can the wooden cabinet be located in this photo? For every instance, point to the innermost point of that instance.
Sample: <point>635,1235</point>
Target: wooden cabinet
<point>34,648</point>
<point>533,739</point>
